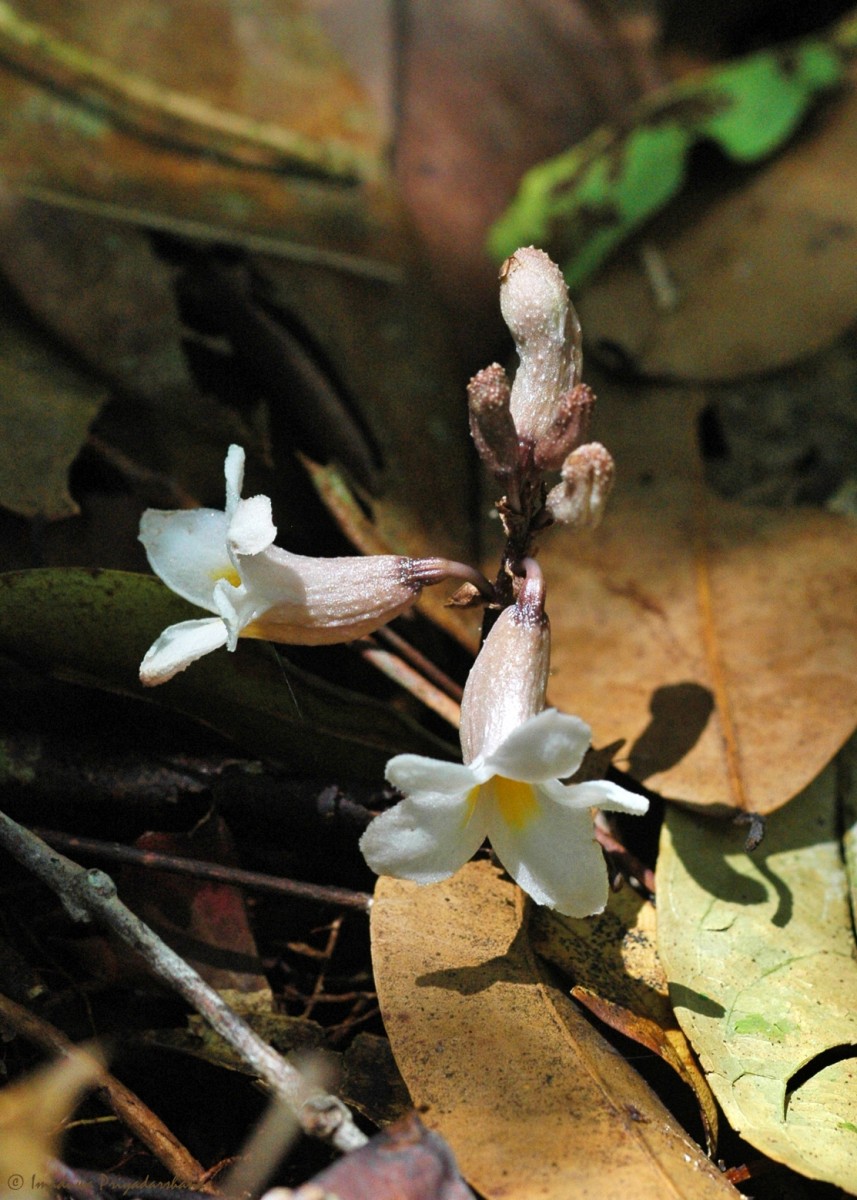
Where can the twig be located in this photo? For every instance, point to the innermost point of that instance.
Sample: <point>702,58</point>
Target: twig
<point>130,1109</point>
<point>420,662</point>
<point>90,894</point>
<point>412,681</point>
<point>255,881</point>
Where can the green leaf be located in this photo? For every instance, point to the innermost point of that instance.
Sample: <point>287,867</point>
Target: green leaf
<point>93,627</point>
<point>588,200</point>
<point>759,952</point>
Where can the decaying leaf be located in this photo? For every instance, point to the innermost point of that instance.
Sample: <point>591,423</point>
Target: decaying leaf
<point>584,203</point>
<point>719,640</point>
<point>94,626</point>
<point>46,407</point>
<point>759,273</point>
<point>404,1162</point>
<point>501,1063</point>
<point>31,1115</point>
<point>613,961</point>
<point>203,920</point>
<point>759,950</point>
<point>260,129</point>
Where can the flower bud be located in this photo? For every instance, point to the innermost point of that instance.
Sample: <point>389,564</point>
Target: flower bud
<point>491,425</point>
<point>508,682</point>
<point>535,305</point>
<point>569,428</point>
<point>587,480</point>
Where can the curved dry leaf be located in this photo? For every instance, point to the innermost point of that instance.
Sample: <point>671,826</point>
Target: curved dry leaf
<point>32,1112</point>
<point>613,961</point>
<point>531,1099</point>
<point>759,950</point>
<point>719,640</point>
<point>743,278</point>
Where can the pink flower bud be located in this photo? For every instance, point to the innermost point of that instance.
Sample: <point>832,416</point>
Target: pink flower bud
<point>587,480</point>
<point>535,305</point>
<point>569,428</point>
<point>508,682</point>
<point>491,425</point>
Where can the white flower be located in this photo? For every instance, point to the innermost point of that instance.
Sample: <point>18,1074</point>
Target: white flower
<point>226,563</point>
<point>510,790</point>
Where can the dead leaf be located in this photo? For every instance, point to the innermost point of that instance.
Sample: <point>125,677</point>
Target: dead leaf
<point>532,1101</point>
<point>719,640</point>
<point>759,950</point>
<point>762,268</point>
<point>204,921</point>
<point>404,1162</point>
<point>47,404</point>
<point>32,1112</point>
<point>260,129</point>
<point>613,962</point>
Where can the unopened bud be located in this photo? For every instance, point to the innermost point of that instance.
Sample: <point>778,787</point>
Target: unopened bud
<point>569,428</point>
<point>508,682</point>
<point>535,305</point>
<point>491,425</point>
<point>587,480</point>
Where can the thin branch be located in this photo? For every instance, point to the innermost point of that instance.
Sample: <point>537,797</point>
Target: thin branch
<point>412,681</point>
<point>419,661</point>
<point>91,895</point>
<point>175,864</point>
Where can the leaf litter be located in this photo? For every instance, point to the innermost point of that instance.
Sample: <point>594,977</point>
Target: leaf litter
<point>759,951</point>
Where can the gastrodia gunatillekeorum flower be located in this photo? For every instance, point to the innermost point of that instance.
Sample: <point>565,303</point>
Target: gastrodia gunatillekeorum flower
<point>226,562</point>
<point>515,752</point>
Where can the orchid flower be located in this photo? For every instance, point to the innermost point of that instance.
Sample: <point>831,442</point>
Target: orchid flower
<point>226,562</point>
<point>516,753</point>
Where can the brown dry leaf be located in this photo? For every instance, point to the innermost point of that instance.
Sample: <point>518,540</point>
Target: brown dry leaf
<point>719,640</point>
<point>404,1162</point>
<point>204,921</point>
<point>613,961</point>
<point>195,117</point>
<point>757,273</point>
<point>504,1066</point>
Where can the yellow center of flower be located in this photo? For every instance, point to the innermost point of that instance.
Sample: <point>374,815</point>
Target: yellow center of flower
<point>230,575</point>
<point>517,801</point>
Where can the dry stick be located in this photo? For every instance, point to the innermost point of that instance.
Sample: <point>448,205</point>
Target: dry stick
<point>175,864</point>
<point>129,1108</point>
<point>400,672</point>
<point>418,660</point>
<point>88,895</point>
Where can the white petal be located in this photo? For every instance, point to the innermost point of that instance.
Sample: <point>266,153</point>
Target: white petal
<point>600,793</point>
<point>425,837</point>
<point>179,646</point>
<point>187,550</point>
<point>549,745</point>
<point>252,528</point>
<point>416,773</point>
<point>553,857</point>
<point>231,605</point>
<point>233,469</point>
